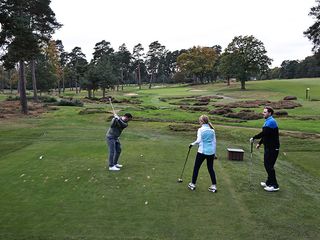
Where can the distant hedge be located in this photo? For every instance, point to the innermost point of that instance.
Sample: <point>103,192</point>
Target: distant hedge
<point>71,102</point>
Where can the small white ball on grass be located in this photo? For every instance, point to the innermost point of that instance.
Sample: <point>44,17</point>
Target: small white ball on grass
<point>40,157</point>
<point>146,202</point>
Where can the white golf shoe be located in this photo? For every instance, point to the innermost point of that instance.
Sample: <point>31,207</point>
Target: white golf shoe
<point>119,165</point>
<point>271,189</point>
<point>212,188</point>
<point>191,186</point>
<point>263,184</point>
<point>114,168</point>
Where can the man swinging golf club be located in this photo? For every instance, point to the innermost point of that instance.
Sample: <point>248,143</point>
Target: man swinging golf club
<point>206,139</point>
<point>270,139</point>
<point>112,137</point>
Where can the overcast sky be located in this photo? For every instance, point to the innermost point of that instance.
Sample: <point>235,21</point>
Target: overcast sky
<point>182,24</point>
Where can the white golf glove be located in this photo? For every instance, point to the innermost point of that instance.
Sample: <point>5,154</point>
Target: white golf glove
<point>116,116</point>
<point>251,140</point>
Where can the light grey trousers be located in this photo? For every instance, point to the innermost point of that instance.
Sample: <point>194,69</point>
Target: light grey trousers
<point>114,150</point>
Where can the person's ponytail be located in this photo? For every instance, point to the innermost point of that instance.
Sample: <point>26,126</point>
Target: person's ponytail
<point>205,119</point>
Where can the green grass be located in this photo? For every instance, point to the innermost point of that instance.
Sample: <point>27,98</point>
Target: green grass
<point>68,194</point>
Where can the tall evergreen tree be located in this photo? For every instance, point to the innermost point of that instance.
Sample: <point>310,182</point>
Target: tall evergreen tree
<point>123,58</point>
<point>25,25</point>
<point>137,61</point>
<point>153,59</point>
<point>63,59</point>
<point>313,32</point>
<point>78,66</point>
<point>101,49</point>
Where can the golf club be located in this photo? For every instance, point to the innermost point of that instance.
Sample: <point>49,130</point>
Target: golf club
<point>180,179</point>
<point>114,113</point>
<point>250,167</point>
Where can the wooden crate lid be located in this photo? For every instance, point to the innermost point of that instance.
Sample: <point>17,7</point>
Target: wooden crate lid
<point>235,150</point>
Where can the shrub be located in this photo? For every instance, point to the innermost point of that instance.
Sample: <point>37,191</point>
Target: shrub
<point>281,113</point>
<point>48,99</point>
<point>290,98</point>
<point>195,109</point>
<point>11,98</point>
<point>200,103</point>
<point>92,111</point>
<point>70,102</point>
<point>221,111</point>
<point>244,115</point>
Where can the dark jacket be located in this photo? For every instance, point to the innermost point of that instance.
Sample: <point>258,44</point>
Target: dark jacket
<point>116,127</point>
<point>270,134</point>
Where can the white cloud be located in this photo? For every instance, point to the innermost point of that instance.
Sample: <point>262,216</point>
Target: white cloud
<point>179,24</point>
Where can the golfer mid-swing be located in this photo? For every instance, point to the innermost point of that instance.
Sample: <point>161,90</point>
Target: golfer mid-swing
<point>112,137</point>
<point>206,139</point>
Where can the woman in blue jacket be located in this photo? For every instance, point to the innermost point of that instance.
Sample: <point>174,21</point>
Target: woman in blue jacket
<point>206,139</point>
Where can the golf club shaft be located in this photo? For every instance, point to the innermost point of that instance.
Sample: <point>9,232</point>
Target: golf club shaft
<point>185,163</point>
<point>250,167</point>
<point>114,113</point>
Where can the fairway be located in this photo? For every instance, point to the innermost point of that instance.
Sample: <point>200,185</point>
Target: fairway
<point>54,184</point>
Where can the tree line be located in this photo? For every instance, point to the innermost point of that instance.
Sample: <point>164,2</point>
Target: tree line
<point>31,59</point>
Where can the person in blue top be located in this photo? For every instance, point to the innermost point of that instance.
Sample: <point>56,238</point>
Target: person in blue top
<point>206,139</point>
<point>269,137</point>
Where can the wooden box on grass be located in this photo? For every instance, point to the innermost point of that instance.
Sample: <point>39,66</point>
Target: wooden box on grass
<point>235,154</point>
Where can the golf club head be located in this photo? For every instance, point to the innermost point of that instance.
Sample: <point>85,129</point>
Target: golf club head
<point>180,180</point>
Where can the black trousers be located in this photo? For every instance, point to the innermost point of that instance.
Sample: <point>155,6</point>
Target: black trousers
<point>197,164</point>
<point>270,158</point>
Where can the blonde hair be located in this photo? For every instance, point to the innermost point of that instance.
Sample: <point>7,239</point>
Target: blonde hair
<point>205,119</point>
